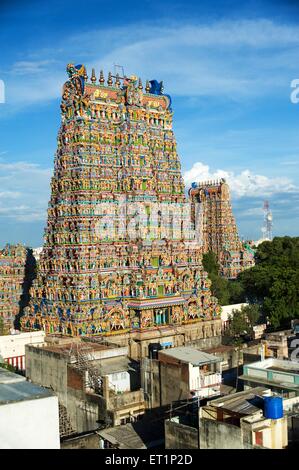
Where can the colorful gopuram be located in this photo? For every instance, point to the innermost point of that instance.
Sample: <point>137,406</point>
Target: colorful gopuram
<point>218,227</point>
<point>119,257</point>
<point>12,278</point>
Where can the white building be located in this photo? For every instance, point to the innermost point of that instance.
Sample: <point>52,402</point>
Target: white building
<point>202,370</point>
<point>227,310</point>
<point>12,347</point>
<point>29,417</point>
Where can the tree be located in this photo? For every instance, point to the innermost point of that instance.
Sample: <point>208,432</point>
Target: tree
<point>226,291</point>
<point>274,281</point>
<point>252,313</point>
<point>237,327</point>
<point>210,263</point>
<point>241,323</point>
<point>1,326</point>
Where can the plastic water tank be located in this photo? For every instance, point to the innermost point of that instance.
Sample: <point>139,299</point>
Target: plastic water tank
<point>273,408</point>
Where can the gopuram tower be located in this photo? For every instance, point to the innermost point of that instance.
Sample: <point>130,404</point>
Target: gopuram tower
<point>218,227</point>
<point>119,256</point>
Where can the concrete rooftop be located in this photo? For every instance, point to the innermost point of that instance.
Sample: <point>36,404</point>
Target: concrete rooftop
<point>279,365</point>
<point>190,355</point>
<point>15,388</point>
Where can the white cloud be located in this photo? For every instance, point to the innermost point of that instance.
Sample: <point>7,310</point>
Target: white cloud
<point>9,194</point>
<point>229,59</point>
<point>25,189</point>
<point>31,67</point>
<point>244,184</point>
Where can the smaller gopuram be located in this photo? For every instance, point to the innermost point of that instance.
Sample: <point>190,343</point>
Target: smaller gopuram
<point>219,229</point>
<point>12,275</point>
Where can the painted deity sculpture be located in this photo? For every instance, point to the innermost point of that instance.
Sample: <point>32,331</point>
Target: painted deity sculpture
<point>117,255</point>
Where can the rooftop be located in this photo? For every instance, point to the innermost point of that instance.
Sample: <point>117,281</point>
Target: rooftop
<point>280,365</point>
<point>113,365</point>
<point>241,403</point>
<point>15,388</point>
<point>142,434</point>
<point>190,355</point>
<point>7,377</point>
<point>66,348</point>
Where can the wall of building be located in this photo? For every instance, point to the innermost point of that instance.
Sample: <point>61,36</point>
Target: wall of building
<point>294,430</point>
<point>219,435</point>
<point>49,369</point>
<point>266,433</point>
<point>87,441</point>
<point>82,407</point>
<point>126,406</point>
<point>205,343</point>
<point>204,334</point>
<point>174,380</point>
<point>30,424</point>
<point>179,436</point>
<point>150,382</point>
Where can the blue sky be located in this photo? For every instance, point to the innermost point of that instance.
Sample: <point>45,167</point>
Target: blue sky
<point>227,65</point>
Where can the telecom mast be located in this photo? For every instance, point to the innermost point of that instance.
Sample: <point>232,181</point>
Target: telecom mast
<point>268,222</point>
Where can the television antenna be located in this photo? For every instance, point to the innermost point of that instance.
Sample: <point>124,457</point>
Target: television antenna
<point>120,70</point>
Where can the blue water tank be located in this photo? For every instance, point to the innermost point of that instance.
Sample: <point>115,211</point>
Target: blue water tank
<point>273,408</point>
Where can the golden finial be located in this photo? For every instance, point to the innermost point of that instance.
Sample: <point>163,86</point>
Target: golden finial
<point>147,87</point>
<point>110,81</point>
<point>140,84</point>
<point>102,79</point>
<point>162,87</point>
<point>117,81</point>
<point>93,76</point>
<point>85,75</point>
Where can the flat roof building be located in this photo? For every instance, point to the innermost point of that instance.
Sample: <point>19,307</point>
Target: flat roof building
<point>281,376</point>
<point>28,414</point>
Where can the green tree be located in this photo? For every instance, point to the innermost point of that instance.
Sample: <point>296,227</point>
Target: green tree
<point>274,281</point>
<point>1,326</point>
<point>241,323</point>
<point>236,292</point>
<point>210,263</point>
<point>226,291</point>
<point>237,328</point>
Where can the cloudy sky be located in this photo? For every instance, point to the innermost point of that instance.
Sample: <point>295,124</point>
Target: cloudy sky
<point>227,65</point>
